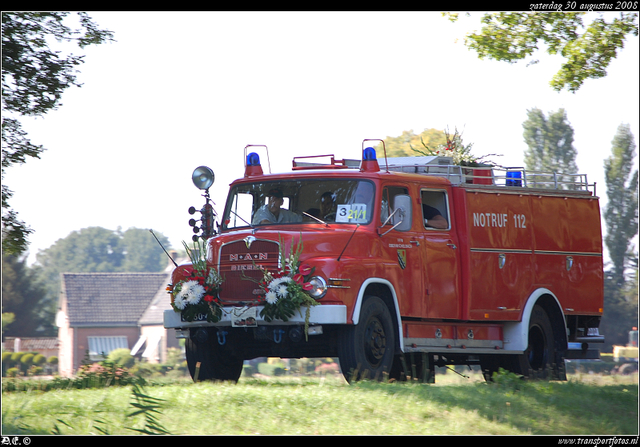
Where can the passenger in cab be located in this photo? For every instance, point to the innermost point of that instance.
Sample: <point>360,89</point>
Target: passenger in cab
<point>271,212</point>
<point>433,218</point>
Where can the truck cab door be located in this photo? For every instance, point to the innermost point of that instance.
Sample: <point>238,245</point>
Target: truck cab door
<point>402,247</point>
<point>441,255</point>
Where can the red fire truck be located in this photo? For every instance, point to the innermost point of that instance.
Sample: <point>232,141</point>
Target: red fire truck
<point>411,263</point>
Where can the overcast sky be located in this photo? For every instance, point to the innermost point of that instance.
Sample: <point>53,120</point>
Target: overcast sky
<point>183,89</point>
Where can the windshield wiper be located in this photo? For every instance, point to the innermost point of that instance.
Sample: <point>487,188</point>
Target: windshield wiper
<point>239,217</point>
<point>315,218</point>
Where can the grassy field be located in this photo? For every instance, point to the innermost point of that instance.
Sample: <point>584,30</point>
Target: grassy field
<point>584,405</point>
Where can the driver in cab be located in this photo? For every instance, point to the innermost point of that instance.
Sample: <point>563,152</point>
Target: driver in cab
<point>271,212</point>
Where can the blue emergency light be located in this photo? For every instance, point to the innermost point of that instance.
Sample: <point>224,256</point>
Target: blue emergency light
<point>369,153</point>
<point>253,166</point>
<point>253,159</point>
<point>514,178</point>
<point>369,160</point>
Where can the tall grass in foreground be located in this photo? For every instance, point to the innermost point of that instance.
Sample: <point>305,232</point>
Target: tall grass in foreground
<point>306,406</point>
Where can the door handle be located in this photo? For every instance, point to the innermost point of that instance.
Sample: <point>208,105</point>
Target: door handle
<point>417,243</point>
<point>452,245</point>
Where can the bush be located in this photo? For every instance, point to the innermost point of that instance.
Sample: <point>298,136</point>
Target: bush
<point>105,373</point>
<point>26,360</point>
<point>507,380</point>
<point>268,369</point>
<point>248,370</point>
<point>327,368</point>
<point>144,369</point>
<point>6,357</point>
<point>122,357</point>
<point>35,371</point>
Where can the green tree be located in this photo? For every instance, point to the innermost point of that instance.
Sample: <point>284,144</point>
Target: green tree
<point>587,50</point>
<point>142,253</point>
<point>549,143</point>
<point>403,145</point>
<point>7,319</point>
<point>620,311</point>
<point>97,249</point>
<point>34,76</point>
<point>455,148</point>
<point>92,249</point>
<point>621,212</point>
<point>25,296</point>
<point>621,223</point>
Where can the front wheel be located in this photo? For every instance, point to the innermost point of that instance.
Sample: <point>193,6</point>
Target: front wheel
<point>366,350</point>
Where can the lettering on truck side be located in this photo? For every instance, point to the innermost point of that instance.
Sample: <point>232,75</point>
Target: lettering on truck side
<point>498,220</point>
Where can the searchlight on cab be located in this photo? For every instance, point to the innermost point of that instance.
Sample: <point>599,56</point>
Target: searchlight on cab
<point>203,177</point>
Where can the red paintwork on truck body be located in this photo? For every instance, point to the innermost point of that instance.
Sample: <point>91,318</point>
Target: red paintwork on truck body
<point>454,275</point>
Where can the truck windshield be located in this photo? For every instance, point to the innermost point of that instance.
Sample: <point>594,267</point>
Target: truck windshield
<point>305,201</point>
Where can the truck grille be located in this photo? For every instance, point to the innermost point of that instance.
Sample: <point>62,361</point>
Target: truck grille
<point>238,264</point>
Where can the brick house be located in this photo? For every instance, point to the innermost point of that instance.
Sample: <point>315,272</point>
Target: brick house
<point>100,312</point>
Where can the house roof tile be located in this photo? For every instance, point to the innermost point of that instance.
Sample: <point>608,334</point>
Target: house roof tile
<point>108,299</point>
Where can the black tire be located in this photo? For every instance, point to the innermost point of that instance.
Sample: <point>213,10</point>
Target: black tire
<point>214,363</point>
<point>492,364</point>
<point>413,366</point>
<point>366,350</point>
<point>540,359</point>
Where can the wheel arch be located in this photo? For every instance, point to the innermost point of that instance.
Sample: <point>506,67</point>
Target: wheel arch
<point>384,290</point>
<point>516,333</point>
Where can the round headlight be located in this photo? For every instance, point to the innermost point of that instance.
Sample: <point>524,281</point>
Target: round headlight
<point>319,287</point>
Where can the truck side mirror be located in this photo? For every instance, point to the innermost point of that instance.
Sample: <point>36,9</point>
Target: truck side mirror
<point>402,217</point>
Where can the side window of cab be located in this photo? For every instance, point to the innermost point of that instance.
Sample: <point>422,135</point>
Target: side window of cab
<point>388,194</point>
<point>435,209</point>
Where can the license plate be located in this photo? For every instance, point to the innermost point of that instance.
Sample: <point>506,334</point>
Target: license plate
<point>244,317</point>
<point>197,317</point>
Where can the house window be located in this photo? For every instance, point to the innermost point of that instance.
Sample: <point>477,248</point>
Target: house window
<point>100,347</point>
<point>152,351</point>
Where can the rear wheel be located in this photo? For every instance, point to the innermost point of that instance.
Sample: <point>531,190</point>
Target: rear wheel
<point>539,360</point>
<point>207,361</point>
<point>366,350</point>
